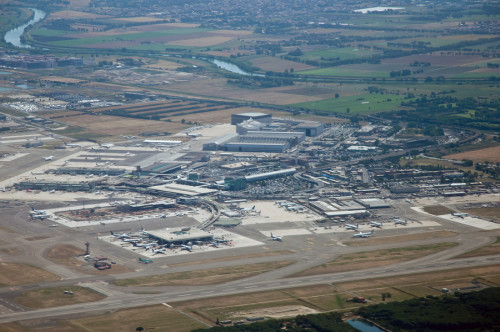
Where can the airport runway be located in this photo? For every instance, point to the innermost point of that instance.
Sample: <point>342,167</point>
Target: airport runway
<point>134,300</point>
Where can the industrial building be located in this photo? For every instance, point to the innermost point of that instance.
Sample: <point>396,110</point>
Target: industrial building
<point>260,117</point>
<point>270,175</point>
<point>172,237</point>
<point>310,128</point>
<point>176,189</point>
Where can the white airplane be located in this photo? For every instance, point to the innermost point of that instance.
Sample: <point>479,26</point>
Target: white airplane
<point>399,221</point>
<point>460,214</point>
<point>376,224</point>
<point>186,247</point>
<point>132,239</point>
<point>120,236</point>
<point>39,216</point>
<point>351,226</point>
<point>159,251</point>
<point>146,246</point>
<point>248,209</point>
<point>276,238</point>
<point>48,158</point>
<point>52,191</point>
<point>193,135</point>
<point>107,146</point>
<point>361,234</point>
<point>72,145</point>
<point>33,211</point>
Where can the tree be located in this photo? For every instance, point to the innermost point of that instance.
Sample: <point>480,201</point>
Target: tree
<point>139,329</point>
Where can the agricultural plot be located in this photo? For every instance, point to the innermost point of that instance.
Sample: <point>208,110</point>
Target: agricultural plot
<point>360,104</point>
<point>269,63</point>
<point>348,71</point>
<point>489,154</point>
<point>163,110</point>
<point>148,36</point>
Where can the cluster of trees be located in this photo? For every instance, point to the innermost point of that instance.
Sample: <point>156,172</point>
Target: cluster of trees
<point>475,311</point>
<point>446,110</point>
<point>261,81</point>
<point>327,322</point>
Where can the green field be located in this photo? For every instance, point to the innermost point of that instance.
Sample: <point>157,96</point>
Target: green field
<point>341,53</point>
<point>361,104</point>
<point>139,36</point>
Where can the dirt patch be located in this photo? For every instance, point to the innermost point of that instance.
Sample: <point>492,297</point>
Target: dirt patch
<point>488,154</point>
<point>487,212</point>
<point>66,254</point>
<point>6,230</point>
<point>139,19</point>
<point>204,277</point>
<point>369,259</point>
<point>58,296</point>
<point>277,312</point>
<point>116,126</point>
<point>21,274</point>
<point>437,210</point>
<point>13,251</point>
<point>400,238</point>
<point>37,238</point>
<point>71,14</point>
<point>157,317</point>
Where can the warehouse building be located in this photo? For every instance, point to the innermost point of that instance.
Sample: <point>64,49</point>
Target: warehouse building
<point>260,117</point>
<point>310,129</point>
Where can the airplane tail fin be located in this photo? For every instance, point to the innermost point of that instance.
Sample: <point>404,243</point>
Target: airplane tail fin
<point>112,233</point>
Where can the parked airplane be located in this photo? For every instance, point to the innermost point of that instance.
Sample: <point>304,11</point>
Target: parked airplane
<point>186,247</point>
<point>146,246</point>
<point>159,251</point>
<point>248,209</point>
<point>276,238</point>
<point>399,221</point>
<point>145,261</point>
<point>72,145</point>
<point>361,234</point>
<point>39,216</point>
<point>33,211</point>
<point>107,146</point>
<point>120,236</point>
<point>351,226</point>
<point>460,214</point>
<point>376,224</point>
<point>48,158</point>
<point>193,135</point>
<point>132,239</point>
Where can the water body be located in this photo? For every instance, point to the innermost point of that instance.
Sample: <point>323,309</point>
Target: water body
<point>233,68</point>
<point>14,36</point>
<point>363,325</point>
<point>377,9</point>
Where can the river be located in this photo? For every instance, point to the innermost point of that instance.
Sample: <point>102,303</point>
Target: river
<point>233,68</point>
<point>14,36</point>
